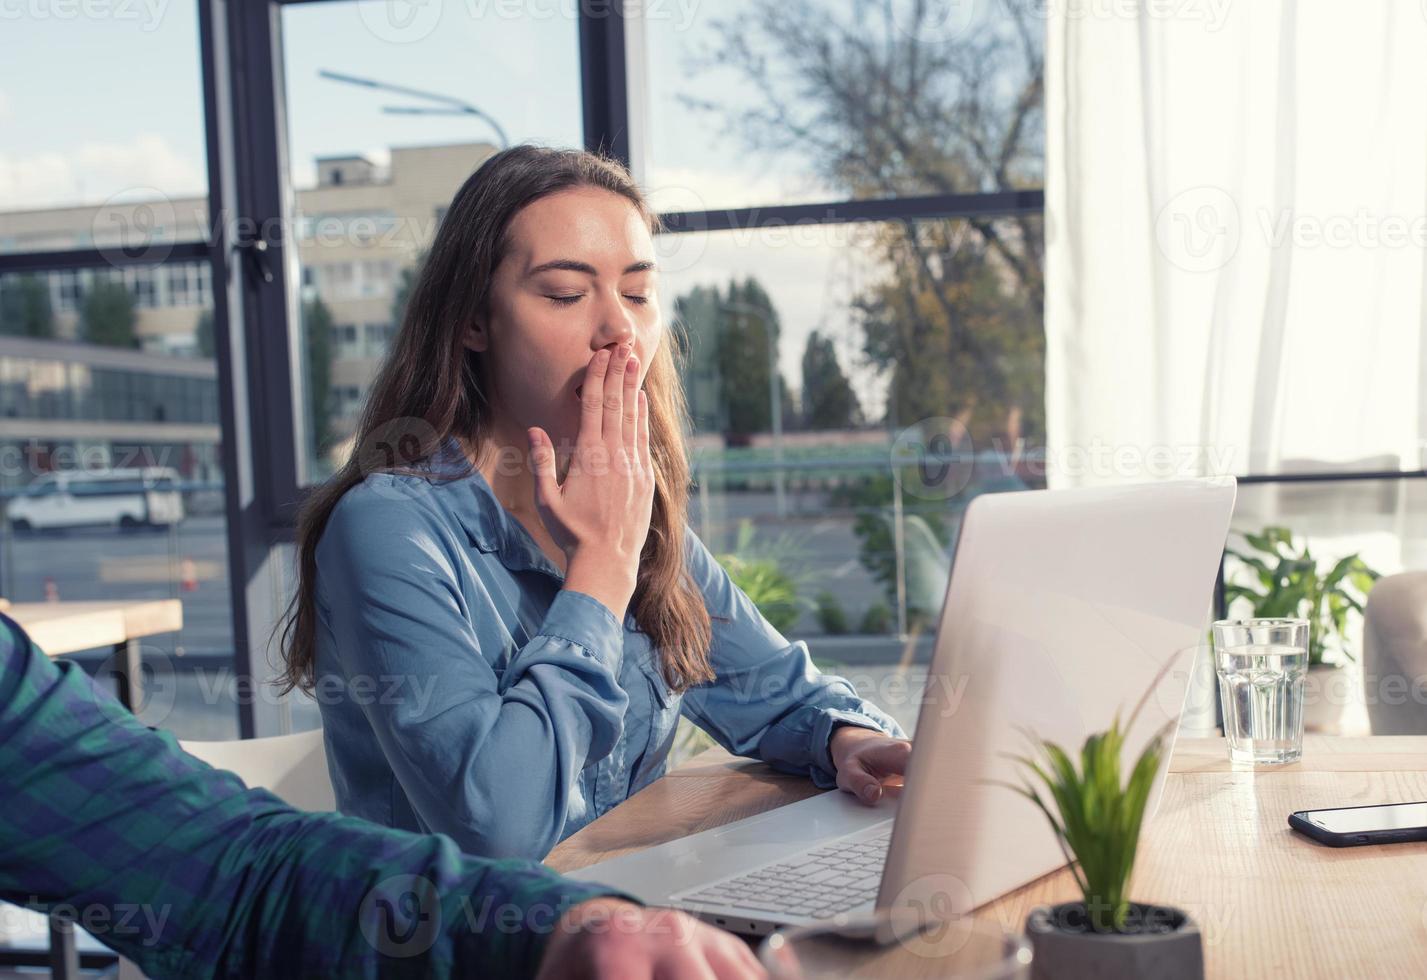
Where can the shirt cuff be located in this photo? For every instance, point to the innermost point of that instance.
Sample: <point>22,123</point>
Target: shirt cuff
<point>527,955</point>
<point>827,723</point>
<point>584,620</point>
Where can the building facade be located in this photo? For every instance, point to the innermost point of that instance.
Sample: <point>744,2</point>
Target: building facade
<point>358,233</point>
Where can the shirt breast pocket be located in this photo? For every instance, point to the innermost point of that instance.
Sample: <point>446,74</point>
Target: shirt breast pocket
<point>663,718</point>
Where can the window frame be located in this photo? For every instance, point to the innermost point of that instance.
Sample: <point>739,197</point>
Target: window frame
<point>256,314</point>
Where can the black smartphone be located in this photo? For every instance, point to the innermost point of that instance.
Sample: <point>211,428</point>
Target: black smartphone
<point>1347,826</point>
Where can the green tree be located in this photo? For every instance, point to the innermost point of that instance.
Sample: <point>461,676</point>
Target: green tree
<point>748,327</point>
<point>828,399</point>
<point>728,358</point>
<point>203,335</point>
<point>25,308</point>
<point>317,328</point>
<point>107,315</point>
<point>958,337</point>
<point>696,316</point>
<point>876,101</point>
<point>404,283</point>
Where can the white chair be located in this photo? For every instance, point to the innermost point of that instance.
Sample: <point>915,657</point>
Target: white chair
<point>291,767</point>
<point>1395,647</point>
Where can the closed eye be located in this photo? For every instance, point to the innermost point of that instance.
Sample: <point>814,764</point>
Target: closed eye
<point>571,300</point>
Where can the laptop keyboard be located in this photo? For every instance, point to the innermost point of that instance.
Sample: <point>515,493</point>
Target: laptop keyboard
<point>818,883</point>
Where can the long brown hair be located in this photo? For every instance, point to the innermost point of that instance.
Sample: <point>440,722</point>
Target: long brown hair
<point>431,386</point>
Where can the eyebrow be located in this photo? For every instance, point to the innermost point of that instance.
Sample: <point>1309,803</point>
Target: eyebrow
<point>570,265</point>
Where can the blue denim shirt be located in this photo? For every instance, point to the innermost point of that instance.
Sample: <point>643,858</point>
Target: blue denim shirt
<point>463,691</point>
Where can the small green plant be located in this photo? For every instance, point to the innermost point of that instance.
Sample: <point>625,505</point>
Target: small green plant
<point>759,572</point>
<point>1096,818</point>
<point>831,616</point>
<point>877,619</point>
<point>1291,584</point>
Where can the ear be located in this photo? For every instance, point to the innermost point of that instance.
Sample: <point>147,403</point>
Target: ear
<point>475,337</point>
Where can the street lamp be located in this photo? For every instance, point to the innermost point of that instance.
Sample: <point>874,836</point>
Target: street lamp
<point>450,106</point>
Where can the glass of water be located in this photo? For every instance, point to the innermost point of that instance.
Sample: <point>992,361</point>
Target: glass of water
<point>1261,664</point>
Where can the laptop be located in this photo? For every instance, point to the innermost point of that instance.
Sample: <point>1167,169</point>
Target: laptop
<point>1062,608</point>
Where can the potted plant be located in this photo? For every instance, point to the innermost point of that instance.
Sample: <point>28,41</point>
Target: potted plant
<point>1289,582</point>
<point>1096,819</point>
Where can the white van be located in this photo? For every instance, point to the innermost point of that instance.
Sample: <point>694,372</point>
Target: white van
<point>125,498</point>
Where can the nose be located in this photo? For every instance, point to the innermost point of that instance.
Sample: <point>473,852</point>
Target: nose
<point>616,324</point>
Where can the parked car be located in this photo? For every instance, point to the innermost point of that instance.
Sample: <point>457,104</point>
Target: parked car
<point>125,498</point>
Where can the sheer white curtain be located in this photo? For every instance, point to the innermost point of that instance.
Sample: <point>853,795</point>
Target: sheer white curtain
<point>1236,204</point>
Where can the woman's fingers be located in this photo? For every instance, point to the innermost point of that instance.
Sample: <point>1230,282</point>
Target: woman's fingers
<point>614,398</point>
<point>644,457</point>
<point>592,401</point>
<point>630,408</point>
<point>866,768</point>
<point>542,457</point>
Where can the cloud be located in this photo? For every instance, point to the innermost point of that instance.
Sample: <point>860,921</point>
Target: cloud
<point>95,172</point>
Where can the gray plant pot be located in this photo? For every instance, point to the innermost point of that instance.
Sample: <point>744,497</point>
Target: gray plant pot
<point>1164,945</point>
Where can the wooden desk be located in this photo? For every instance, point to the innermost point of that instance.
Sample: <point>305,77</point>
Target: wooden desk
<point>1269,902</point>
<point>59,628</point>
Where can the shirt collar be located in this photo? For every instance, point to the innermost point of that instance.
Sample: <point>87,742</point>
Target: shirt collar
<point>486,521</point>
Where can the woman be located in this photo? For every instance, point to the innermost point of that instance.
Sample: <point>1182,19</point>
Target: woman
<point>502,643</point>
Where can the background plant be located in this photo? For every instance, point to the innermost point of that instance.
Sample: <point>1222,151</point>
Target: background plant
<point>871,501</point>
<point>764,573</point>
<point>831,616</point>
<point>1290,583</point>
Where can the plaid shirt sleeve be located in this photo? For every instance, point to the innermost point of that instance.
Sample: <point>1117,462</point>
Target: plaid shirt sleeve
<point>185,871</point>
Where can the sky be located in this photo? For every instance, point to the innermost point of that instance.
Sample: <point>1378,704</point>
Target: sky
<point>102,100</point>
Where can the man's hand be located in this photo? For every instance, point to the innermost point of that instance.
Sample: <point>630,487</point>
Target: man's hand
<point>865,759</point>
<point>609,937</point>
